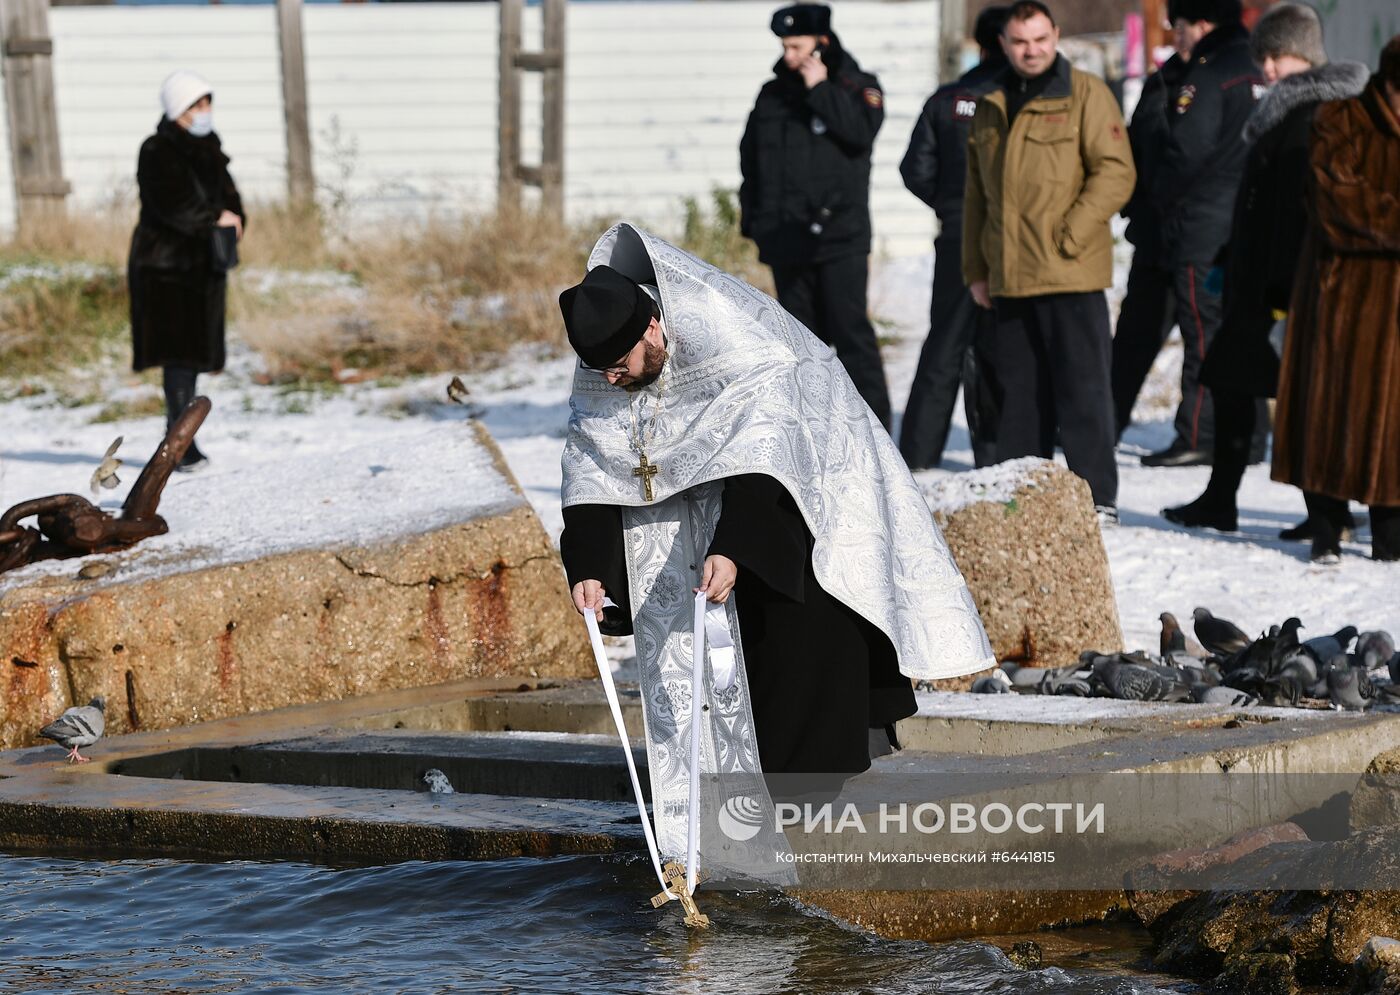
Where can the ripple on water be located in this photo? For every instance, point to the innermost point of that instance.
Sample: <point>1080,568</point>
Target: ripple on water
<point>577,925</point>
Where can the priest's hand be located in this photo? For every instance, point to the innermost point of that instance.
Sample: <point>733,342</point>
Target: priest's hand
<point>718,578</point>
<point>588,596</point>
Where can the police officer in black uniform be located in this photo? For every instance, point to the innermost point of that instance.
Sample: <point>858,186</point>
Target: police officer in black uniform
<point>934,169</point>
<point>1148,312</point>
<point>1194,190</point>
<point>805,198</point>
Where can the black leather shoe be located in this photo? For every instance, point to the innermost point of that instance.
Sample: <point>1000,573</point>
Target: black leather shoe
<point>1178,454</point>
<point>1202,514</point>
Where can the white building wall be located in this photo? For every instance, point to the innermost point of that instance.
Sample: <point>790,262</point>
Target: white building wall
<point>403,100</point>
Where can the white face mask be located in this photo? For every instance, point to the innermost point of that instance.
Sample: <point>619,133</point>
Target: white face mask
<point>202,123</point>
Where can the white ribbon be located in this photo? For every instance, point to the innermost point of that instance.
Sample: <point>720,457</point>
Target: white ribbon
<point>600,657</point>
<point>722,658</point>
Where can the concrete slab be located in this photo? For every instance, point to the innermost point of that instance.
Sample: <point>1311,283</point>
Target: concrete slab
<point>341,781</point>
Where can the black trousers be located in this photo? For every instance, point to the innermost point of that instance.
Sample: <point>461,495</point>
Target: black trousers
<point>954,353</point>
<point>1052,361</point>
<point>829,298</point>
<point>1241,431</point>
<point>1329,516</point>
<point>1145,321</point>
<point>1198,314</point>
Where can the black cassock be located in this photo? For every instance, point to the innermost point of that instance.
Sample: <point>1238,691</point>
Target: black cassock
<point>820,675</point>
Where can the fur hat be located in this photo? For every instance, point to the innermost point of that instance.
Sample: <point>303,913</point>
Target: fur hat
<point>1214,11</point>
<point>1288,29</point>
<point>802,19</point>
<point>181,90</point>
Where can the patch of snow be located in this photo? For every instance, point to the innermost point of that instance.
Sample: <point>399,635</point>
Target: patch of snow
<point>948,492</point>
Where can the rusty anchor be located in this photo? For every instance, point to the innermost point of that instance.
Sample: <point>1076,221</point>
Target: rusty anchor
<point>69,525</point>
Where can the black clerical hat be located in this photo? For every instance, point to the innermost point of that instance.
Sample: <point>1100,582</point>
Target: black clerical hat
<point>803,19</point>
<point>605,316</point>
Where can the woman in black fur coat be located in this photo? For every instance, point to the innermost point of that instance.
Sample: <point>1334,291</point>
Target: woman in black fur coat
<point>177,290</point>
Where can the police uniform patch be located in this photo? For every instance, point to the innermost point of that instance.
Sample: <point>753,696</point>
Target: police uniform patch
<point>1184,97</point>
<point>874,97</point>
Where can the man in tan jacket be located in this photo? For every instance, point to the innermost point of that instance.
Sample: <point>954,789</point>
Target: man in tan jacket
<point>1048,164</point>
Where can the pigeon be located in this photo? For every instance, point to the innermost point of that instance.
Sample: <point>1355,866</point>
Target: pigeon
<point>1282,690</point>
<point>81,725</point>
<point>1301,667</point>
<point>437,782</point>
<point>1067,681</point>
<point>1375,648</point>
<point>1133,682</point>
<point>1207,695</point>
<point>1324,648</point>
<point>105,475</point>
<point>997,682</point>
<point>457,391</point>
<point>1174,640</point>
<point>1394,667</point>
<point>1221,636</point>
<point>1347,686</point>
<point>1024,677</point>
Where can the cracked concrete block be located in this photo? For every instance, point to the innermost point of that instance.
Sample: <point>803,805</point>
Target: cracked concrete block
<point>483,596</point>
<point>1025,535</point>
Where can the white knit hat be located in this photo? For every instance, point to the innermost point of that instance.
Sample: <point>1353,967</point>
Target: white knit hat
<point>181,90</point>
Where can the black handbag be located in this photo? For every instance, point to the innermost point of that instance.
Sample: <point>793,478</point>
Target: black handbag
<point>223,241</point>
<point>223,249</point>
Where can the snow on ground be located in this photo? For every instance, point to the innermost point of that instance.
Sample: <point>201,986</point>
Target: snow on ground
<point>350,462</point>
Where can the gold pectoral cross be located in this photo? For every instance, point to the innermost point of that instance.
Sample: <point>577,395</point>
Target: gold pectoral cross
<point>646,471</point>
<point>674,875</point>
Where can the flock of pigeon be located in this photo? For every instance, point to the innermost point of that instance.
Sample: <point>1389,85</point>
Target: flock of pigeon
<point>1348,669</point>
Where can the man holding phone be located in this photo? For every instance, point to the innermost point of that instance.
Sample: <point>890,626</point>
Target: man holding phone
<point>805,198</point>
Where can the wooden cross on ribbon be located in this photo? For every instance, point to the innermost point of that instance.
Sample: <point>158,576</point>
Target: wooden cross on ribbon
<point>674,875</point>
<point>646,471</point>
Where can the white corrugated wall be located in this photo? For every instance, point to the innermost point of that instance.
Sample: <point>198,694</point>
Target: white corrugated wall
<point>403,100</point>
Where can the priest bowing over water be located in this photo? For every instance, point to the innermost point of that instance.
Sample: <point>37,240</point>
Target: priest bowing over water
<point>716,445</point>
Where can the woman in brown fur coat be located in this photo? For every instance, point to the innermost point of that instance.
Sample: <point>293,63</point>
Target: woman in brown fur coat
<point>1337,432</point>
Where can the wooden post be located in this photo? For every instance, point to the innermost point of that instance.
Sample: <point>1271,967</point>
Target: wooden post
<point>508,130</point>
<point>552,146</point>
<point>301,180</point>
<point>40,188</point>
<point>1153,34</point>
<point>952,32</point>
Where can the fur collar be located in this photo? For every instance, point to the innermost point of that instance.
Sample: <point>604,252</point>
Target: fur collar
<point>1332,81</point>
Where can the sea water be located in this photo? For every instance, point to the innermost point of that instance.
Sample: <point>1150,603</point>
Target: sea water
<point>576,925</point>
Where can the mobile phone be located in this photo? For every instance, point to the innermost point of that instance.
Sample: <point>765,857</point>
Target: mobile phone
<point>817,52</point>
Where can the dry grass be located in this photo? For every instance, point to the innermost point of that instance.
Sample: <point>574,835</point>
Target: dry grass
<point>323,299</point>
<point>51,323</point>
<point>442,294</point>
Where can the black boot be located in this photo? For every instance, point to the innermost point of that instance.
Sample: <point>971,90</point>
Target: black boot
<point>1206,512</point>
<point>1385,533</point>
<point>1303,531</point>
<point>179,383</point>
<point>1327,515</point>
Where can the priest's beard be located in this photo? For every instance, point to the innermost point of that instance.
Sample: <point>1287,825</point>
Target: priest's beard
<point>653,361</point>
